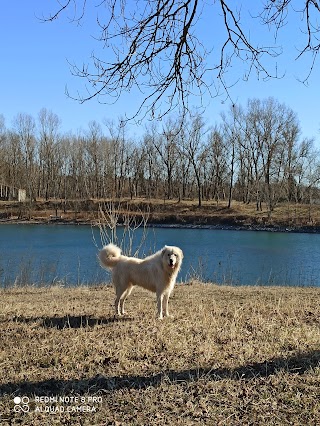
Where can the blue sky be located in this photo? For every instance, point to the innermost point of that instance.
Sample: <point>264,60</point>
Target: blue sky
<point>34,70</point>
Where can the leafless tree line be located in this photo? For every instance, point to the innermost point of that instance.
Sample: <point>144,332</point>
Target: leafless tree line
<point>255,154</point>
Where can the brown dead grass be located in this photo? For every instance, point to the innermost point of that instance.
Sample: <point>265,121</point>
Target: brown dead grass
<point>171,211</point>
<point>230,356</point>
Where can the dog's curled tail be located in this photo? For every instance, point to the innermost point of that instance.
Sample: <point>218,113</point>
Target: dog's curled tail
<point>109,255</point>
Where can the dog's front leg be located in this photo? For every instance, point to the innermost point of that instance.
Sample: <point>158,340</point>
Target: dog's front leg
<point>159,304</point>
<point>166,305</point>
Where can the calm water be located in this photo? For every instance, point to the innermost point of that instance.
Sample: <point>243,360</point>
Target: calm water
<point>63,254</point>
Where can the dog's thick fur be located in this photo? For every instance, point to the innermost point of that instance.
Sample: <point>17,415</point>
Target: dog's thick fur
<point>156,273</point>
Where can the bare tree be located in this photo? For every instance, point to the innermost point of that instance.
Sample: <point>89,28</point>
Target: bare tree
<point>306,175</point>
<point>193,148</point>
<point>217,154</point>
<point>137,166</point>
<point>157,47</point>
<point>276,13</point>
<point>24,127</point>
<point>77,169</point>
<point>3,167</point>
<point>119,142</point>
<point>165,143</point>
<point>266,136</point>
<point>119,225</point>
<point>49,124</point>
<point>153,163</point>
<point>276,130</point>
<point>94,159</point>
<point>232,135</point>
<point>255,155</point>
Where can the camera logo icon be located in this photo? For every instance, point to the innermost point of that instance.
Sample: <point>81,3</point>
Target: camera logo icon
<point>21,404</point>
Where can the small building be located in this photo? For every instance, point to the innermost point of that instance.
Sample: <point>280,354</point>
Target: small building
<point>11,193</point>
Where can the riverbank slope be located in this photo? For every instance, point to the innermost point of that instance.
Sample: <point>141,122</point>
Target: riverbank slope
<point>230,356</point>
<point>285,217</point>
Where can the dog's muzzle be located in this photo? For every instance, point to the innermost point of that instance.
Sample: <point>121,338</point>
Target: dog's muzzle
<point>172,263</point>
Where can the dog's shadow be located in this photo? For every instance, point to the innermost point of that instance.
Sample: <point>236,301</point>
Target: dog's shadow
<point>297,364</point>
<point>72,321</point>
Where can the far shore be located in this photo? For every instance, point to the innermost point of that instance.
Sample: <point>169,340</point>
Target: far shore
<point>286,217</point>
<point>165,224</point>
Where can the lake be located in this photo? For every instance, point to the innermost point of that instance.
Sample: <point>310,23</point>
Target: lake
<point>67,255</point>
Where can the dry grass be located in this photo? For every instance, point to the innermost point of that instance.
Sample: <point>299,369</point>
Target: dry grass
<point>230,356</point>
<point>172,211</point>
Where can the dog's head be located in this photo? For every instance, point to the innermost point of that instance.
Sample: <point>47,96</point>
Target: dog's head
<point>172,257</point>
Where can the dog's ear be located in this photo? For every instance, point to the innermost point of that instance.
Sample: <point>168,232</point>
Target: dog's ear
<point>163,251</point>
<point>181,253</point>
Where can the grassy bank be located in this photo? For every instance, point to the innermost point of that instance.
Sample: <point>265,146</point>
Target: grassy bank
<point>185,212</point>
<point>229,356</point>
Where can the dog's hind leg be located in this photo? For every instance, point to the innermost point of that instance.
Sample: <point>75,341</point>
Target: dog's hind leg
<point>120,292</point>
<point>123,299</point>
<point>117,305</point>
<point>121,295</point>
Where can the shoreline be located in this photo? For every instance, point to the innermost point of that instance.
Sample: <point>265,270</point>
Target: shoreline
<point>186,214</point>
<point>176,225</point>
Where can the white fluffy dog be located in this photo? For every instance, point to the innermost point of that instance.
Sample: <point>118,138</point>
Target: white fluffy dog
<point>156,273</point>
